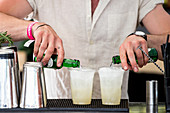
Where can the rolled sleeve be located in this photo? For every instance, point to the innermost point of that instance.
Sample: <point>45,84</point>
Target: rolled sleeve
<point>146,6</point>
<point>33,5</point>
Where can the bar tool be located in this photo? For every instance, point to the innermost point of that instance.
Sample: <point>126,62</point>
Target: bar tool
<point>33,93</point>
<point>166,55</point>
<point>139,47</point>
<point>16,69</point>
<point>152,96</point>
<point>8,85</point>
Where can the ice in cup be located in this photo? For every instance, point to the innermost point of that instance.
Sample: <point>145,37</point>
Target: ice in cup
<point>81,80</point>
<point>110,83</point>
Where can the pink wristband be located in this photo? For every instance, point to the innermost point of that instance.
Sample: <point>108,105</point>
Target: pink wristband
<point>29,31</point>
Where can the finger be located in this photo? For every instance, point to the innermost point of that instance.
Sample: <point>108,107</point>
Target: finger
<point>55,51</point>
<point>60,51</point>
<point>48,54</point>
<point>145,48</point>
<point>131,57</point>
<point>42,48</point>
<point>139,56</point>
<point>37,43</point>
<point>130,67</point>
<point>123,58</point>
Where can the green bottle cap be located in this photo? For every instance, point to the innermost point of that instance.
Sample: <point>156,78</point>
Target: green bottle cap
<point>76,63</point>
<point>116,59</point>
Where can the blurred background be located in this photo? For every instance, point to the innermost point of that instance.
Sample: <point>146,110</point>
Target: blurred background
<point>137,81</point>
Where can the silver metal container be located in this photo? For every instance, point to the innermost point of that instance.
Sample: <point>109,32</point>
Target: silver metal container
<point>152,109</point>
<point>152,92</point>
<point>33,93</point>
<point>8,88</point>
<point>16,69</point>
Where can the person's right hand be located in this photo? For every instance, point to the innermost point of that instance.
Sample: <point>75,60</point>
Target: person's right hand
<point>46,39</point>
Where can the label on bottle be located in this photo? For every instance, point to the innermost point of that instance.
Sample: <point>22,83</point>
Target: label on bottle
<point>50,63</point>
<point>149,49</point>
<point>28,43</point>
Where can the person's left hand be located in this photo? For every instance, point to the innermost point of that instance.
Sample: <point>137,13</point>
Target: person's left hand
<point>128,50</point>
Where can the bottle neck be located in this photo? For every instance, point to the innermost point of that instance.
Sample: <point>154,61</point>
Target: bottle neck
<point>151,51</point>
<point>52,63</point>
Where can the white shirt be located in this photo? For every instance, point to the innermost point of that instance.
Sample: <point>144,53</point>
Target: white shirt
<point>92,40</point>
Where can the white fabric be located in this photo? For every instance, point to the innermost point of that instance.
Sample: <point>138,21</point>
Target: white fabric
<point>91,40</point>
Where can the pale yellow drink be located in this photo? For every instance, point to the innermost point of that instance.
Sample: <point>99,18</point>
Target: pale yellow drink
<point>81,96</point>
<point>81,85</point>
<point>110,83</point>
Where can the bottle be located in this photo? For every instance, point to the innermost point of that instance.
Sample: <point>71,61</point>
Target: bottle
<point>52,63</point>
<point>151,51</point>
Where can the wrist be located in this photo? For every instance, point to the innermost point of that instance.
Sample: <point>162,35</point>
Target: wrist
<point>37,26</point>
<point>139,33</point>
<point>29,30</point>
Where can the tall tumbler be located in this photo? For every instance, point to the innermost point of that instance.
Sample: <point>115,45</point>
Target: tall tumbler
<point>152,96</point>
<point>33,92</point>
<point>16,69</point>
<point>152,92</point>
<point>8,85</point>
<point>111,83</point>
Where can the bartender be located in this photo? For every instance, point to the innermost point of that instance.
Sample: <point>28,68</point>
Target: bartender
<point>89,30</point>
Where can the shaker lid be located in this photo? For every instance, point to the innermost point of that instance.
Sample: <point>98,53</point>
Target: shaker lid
<point>10,47</point>
<point>33,64</point>
<point>6,54</point>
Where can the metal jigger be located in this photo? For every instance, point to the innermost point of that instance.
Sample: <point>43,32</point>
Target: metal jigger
<point>33,93</point>
<point>152,96</point>
<point>8,84</point>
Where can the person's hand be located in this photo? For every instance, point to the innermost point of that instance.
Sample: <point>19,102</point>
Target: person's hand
<point>128,50</point>
<point>47,40</point>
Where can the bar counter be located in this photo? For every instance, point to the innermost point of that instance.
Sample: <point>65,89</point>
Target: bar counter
<point>140,107</point>
<point>134,107</point>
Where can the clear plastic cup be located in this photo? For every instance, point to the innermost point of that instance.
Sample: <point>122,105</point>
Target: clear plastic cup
<point>81,80</point>
<point>110,83</point>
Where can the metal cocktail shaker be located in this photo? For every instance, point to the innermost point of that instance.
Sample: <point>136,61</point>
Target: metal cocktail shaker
<point>33,93</point>
<point>152,92</point>
<point>16,69</point>
<point>8,88</point>
<point>152,96</point>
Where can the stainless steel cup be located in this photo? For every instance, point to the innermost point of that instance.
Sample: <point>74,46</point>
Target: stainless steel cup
<point>8,88</point>
<point>33,93</point>
<point>152,92</point>
<point>16,69</point>
<point>152,96</point>
<point>152,109</point>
